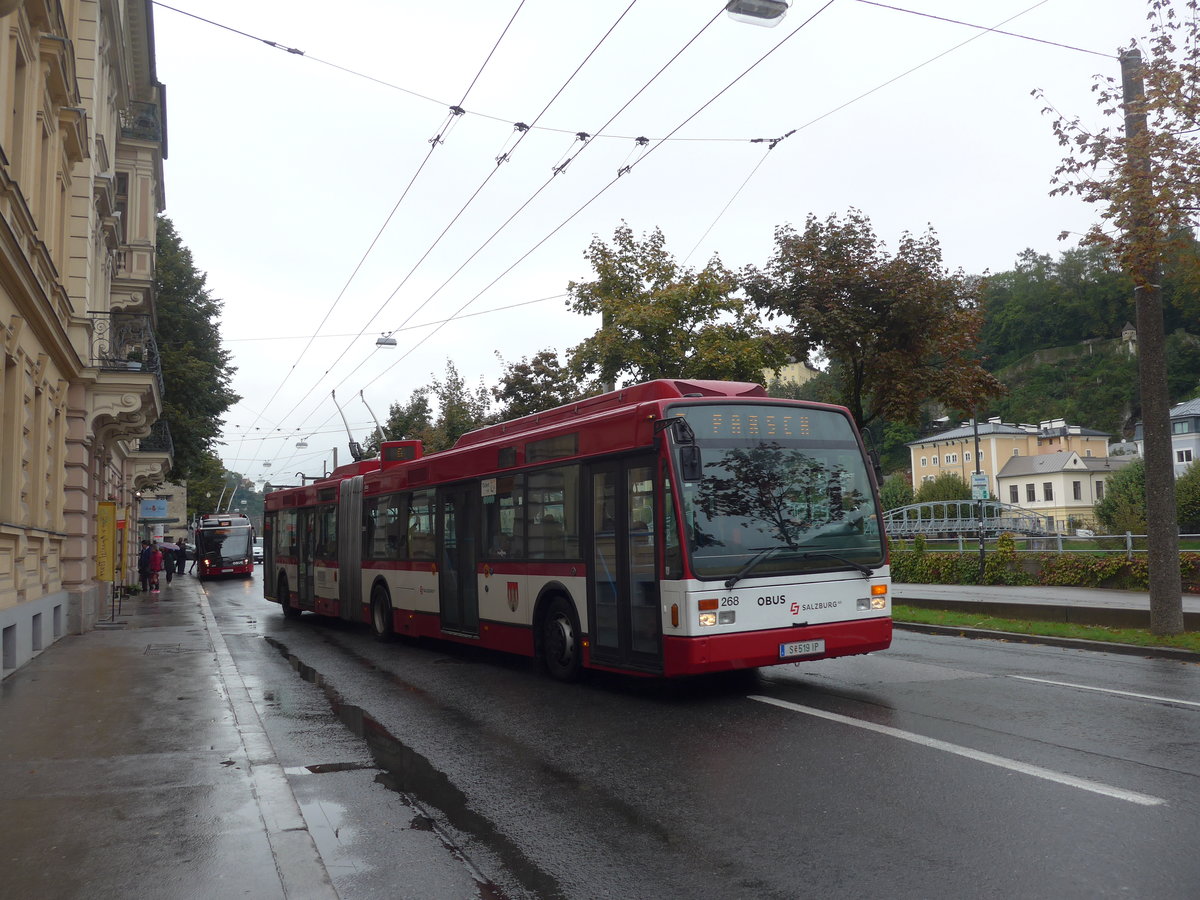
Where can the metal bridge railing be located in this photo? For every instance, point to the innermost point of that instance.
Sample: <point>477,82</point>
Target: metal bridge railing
<point>962,516</point>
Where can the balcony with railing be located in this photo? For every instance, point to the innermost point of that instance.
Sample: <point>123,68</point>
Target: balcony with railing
<point>124,342</point>
<point>142,121</point>
<point>158,441</point>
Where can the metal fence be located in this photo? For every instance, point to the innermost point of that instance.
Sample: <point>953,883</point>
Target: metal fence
<point>1127,544</point>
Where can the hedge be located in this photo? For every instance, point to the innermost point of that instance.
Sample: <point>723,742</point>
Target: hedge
<point>1005,566</point>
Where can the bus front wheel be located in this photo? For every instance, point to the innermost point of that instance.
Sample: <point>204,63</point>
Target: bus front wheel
<point>561,653</point>
<point>381,614</point>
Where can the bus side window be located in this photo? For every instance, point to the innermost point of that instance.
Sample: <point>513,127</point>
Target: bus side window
<point>421,526</point>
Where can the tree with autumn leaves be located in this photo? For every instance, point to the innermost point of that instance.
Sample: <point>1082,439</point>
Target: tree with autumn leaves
<point>1143,171</point>
<point>898,330</point>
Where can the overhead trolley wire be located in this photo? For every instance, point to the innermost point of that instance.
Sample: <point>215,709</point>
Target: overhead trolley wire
<point>556,171</point>
<point>1013,34</point>
<point>622,172</point>
<point>491,173</point>
<point>465,206</point>
<point>433,145</point>
<point>773,142</point>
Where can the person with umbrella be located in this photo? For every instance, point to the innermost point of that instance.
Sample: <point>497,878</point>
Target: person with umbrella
<point>168,552</point>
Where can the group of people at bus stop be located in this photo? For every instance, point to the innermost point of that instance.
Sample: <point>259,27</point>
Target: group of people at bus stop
<point>158,558</point>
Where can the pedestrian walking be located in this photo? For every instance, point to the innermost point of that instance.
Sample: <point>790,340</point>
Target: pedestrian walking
<point>168,554</point>
<point>156,566</point>
<point>144,566</point>
<point>180,557</point>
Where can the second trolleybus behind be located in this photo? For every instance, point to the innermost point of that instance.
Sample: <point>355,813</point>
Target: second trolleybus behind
<point>224,543</point>
<point>669,528</point>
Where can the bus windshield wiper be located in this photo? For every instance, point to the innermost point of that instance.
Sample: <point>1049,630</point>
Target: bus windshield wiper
<point>753,561</point>
<point>866,571</point>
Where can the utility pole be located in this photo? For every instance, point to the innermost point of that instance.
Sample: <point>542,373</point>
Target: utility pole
<point>1162,530</point>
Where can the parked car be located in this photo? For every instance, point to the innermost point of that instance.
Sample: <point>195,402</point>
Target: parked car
<point>258,550</point>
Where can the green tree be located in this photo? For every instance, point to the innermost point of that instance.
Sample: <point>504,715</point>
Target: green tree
<point>208,477</point>
<point>947,486</point>
<point>460,409</point>
<point>195,368</point>
<point>1187,500</point>
<point>662,320</point>
<point>896,491</point>
<point>1044,303</point>
<point>412,420</point>
<point>1124,505</point>
<point>900,329</point>
<point>537,384</point>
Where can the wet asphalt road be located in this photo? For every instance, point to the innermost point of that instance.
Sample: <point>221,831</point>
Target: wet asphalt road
<point>941,768</point>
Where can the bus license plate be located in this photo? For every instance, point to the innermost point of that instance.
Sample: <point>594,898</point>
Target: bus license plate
<point>801,648</point>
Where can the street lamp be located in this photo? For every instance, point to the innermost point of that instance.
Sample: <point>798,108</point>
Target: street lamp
<point>767,13</point>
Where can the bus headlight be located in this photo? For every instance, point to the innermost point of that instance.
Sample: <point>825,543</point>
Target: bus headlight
<point>708,618</point>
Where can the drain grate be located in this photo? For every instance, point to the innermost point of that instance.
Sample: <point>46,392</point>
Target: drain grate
<point>172,649</point>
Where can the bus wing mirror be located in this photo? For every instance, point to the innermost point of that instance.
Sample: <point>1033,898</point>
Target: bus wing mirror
<point>689,462</point>
<point>877,466</point>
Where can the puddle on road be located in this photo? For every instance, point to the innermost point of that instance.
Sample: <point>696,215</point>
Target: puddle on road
<point>419,784</point>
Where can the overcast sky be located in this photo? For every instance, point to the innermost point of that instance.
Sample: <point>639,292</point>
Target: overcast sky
<point>284,168</point>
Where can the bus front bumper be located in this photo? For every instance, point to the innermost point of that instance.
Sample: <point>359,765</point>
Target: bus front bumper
<point>752,649</point>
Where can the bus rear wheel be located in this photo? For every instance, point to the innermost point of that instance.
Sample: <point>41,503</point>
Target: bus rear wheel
<point>381,614</point>
<point>289,611</point>
<point>561,653</point>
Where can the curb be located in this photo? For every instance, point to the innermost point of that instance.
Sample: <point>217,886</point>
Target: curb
<point>298,862</point>
<point>1049,641</point>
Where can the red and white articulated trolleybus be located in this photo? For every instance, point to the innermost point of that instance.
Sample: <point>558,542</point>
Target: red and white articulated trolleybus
<point>670,528</point>
<point>224,545</point>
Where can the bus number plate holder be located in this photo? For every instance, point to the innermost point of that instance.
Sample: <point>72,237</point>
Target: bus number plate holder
<point>801,648</point>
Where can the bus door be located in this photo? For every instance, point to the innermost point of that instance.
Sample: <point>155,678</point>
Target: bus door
<point>623,601</point>
<point>305,572</point>
<point>458,550</point>
<point>349,549</point>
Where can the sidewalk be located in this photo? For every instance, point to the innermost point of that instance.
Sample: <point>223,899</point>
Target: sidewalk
<point>133,763</point>
<point>1081,606</point>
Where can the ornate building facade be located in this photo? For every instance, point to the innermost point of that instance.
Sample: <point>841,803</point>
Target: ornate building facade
<point>82,143</point>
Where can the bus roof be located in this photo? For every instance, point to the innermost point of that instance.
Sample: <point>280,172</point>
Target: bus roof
<point>661,389</point>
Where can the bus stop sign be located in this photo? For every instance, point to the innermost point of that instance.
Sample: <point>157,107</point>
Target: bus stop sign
<point>979,486</point>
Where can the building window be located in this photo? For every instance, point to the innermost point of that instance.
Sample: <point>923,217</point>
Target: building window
<point>1181,427</point>
<point>1077,490</point>
<point>1030,493</point>
<point>967,457</point>
<point>981,456</point>
<point>1013,497</point>
<point>1099,490</point>
<point>1087,452</point>
<point>1047,490</point>
<point>935,460</point>
<point>951,458</point>
<point>1016,451</point>
<point>924,461</point>
<point>1183,456</point>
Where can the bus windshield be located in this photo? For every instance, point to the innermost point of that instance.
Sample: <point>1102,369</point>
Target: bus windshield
<point>781,490</point>
<point>223,544</point>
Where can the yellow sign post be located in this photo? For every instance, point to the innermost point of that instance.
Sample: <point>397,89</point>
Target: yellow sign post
<point>106,541</point>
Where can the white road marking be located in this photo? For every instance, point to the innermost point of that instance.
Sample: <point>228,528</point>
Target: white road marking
<point>1100,690</point>
<point>979,756</point>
